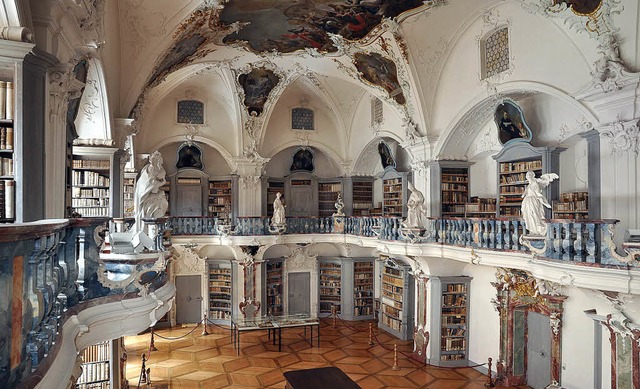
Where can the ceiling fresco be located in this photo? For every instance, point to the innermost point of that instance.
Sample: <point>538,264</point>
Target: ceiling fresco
<point>581,7</point>
<point>257,84</point>
<point>380,71</point>
<point>290,25</point>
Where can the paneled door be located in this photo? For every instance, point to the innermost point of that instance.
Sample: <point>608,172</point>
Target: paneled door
<point>188,299</point>
<point>189,200</point>
<point>538,351</point>
<point>299,293</point>
<point>301,203</point>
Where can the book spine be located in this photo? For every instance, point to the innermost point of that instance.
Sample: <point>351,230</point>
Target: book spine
<point>3,99</point>
<point>9,138</point>
<point>9,192</point>
<point>2,195</point>
<point>9,101</point>
<point>3,138</point>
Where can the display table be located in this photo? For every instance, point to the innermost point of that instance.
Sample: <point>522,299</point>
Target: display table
<point>274,325</point>
<point>321,378</point>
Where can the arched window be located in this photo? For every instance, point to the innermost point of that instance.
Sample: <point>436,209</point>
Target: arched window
<point>190,111</point>
<point>302,119</point>
<point>495,52</point>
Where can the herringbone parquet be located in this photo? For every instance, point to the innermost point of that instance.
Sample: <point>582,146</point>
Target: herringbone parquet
<point>197,361</point>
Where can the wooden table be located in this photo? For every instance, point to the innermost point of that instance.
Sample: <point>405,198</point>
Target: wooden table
<point>274,325</point>
<point>320,378</point>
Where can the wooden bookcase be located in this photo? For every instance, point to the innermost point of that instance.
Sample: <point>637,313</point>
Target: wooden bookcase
<point>514,161</point>
<point>96,367</point>
<point>93,181</point>
<point>454,191</point>
<point>128,190</point>
<point>394,194</point>
<point>330,285</point>
<point>363,290</point>
<point>273,187</point>
<point>327,196</point>
<point>480,207</point>
<point>572,205</point>
<point>220,291</point>
<point>7,178</point>
<point>220,203</point>
<point>273,287</point>
<point>362,197</point>
<point>396,301</point>
<point>450,320</point>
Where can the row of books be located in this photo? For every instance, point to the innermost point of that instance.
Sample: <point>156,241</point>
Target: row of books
<point>7,100</point>
<point>456,288</point>
<point>330,187</point>
<point>90,164</point>
<point>519,178</point>
<point>89,178</point>
<point>574,196</point>
<point>6,167</point>
<point>520,166</point>
<point>474,207</point>
<point>89,192</point>
<point>451,344</point>
<point>93,211</point>
<point>90,202</point>
<point>6,138</point>
<point>7,202</point>
<point>457,187</point>
<point>580,205</point>
<point>454,197</point>
<point>220,185</point>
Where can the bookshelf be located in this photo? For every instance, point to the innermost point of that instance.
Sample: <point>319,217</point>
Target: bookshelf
<point>273,187</point>
<point>394,193</point>
<point>572,205</point>
<point>514,161</point>
<point>363,290</point>
<point>327,196</point>
<point>396,301</point>
<point>220,291</point>
<point>330,285</point>
<point>7,178</point>
<point>220,200</point>
<point>362,197</point>
<point>480,207</point>
<point>450,320</point>
<point>454,191</point>
<point>95,367</point>
<point>91,184</point>
<point>274,287</point>
<point>128,190</point>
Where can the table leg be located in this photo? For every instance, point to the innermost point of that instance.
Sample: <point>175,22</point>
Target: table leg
<point>318,334</point>
<point>238,337</point>
<point>305,334</point>
<point>279,339</point>
<point>274,336</point>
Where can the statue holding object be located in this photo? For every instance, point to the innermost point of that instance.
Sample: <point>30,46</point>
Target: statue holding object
<point>149,199</point>
<point>534,203</point>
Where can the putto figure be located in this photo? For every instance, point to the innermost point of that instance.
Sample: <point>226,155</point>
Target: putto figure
<point>149,200</point>
<point>534,202</point>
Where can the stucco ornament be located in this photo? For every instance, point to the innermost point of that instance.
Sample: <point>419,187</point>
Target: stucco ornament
<point>301,259</point>
<point>623,136</point>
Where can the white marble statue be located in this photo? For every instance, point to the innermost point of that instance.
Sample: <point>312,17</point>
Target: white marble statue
<point>339,204</point>
<point>149,200</point>
<point>278,217</point>
<point>416,211</point>
<point>534,202</point>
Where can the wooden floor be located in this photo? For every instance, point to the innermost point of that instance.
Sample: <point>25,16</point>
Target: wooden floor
<point>196,361</point>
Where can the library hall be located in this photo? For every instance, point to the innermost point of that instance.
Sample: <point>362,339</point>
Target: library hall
<point>323,194</point>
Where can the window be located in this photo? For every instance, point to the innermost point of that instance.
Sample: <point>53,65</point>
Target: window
<point>190,111</point>
<point>302,119</point>
<point>376,112</point>
<point>496,53</point>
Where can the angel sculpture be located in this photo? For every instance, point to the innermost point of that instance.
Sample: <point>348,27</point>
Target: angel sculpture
<point>533,202</point>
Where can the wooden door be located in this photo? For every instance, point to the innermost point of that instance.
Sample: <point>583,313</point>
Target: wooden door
<point>301,203</point>
<point>299,293</point>
<point>538,350</point>
<point>188,299</point>
<point>189,200</point>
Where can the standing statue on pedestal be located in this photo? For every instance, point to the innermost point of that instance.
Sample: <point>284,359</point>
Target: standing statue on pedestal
<point>278,217</point>
<point>534,202</point>
<point>149,200</point>
<point>415,209</point>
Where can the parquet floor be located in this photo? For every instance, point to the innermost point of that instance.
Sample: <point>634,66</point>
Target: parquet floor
<point>196,361</point>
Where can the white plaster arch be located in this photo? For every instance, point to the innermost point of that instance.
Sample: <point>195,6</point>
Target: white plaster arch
<point>94,116</point>
<point>326,150</point>
<point>228,157</point>
<point>372,146</point>
<point>445,144</point>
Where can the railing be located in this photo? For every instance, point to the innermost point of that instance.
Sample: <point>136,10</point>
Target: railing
<point>584,241</point>
<point>51,270</point>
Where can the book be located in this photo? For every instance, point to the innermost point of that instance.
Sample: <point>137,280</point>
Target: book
<point>9,101</point>
<point>9,192</point>
<point>9,138</point>
<point>3,99</point>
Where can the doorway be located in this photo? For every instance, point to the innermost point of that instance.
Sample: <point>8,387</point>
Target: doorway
<point>538,350</point>
<point>299,292</point>
<point>189,199</point>
<point>188,299</point>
